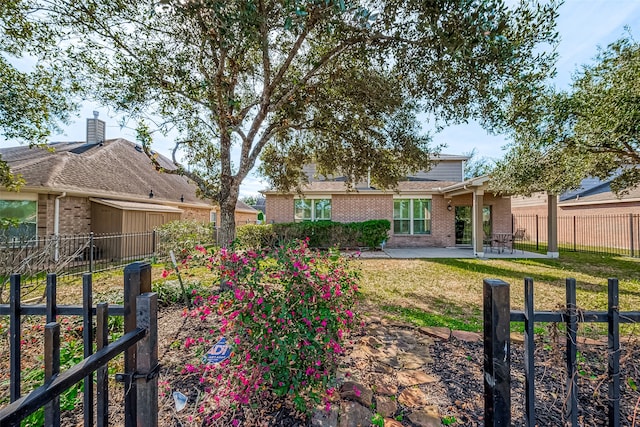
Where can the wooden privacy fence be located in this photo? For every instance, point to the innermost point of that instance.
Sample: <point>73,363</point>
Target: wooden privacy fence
<point>139,345</point>
<point>497,349</point>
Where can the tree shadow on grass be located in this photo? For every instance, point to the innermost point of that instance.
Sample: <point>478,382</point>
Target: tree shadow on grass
<point>518,276</point>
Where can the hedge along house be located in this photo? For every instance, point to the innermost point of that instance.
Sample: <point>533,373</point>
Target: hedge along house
<point>436,208</point>
<point>100,186</point>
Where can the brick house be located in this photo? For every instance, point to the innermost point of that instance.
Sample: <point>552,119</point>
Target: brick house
<point>101,186</point>
<point>437,208</point>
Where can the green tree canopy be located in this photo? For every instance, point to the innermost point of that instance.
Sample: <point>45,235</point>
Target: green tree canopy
<point>593,129</point>
<point>32,103</point>
<point>295,81</point>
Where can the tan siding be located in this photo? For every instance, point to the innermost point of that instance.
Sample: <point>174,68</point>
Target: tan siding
<point>106,219</point>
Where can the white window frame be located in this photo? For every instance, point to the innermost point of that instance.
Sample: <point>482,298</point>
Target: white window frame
<point>411,218</point>
<point>313,200</point>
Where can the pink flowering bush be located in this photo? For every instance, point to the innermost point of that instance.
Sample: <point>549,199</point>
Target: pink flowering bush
<point>285,315</point>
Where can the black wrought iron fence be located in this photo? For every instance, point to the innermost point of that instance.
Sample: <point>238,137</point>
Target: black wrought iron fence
<point>603,234</point>
<point>139,345</point>
<point>72,256</point>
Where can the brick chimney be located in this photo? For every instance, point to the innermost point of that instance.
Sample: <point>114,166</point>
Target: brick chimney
<point>95,129</point>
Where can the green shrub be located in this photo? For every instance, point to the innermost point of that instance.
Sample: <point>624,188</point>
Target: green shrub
<point>374,232</point>
<point>326,234</point>
<point>182,236</point>
<point>255,236</point>
<point>169,291</point>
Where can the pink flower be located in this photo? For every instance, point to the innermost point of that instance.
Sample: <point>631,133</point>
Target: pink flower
<point>165,273</point>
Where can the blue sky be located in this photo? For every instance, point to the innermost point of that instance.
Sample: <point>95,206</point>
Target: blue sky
<point>583,26</point>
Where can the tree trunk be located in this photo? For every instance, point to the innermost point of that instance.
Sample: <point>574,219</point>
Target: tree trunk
<point>227,231</point>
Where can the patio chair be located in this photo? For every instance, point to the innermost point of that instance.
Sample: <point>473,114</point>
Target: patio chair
<point>487,242</point>
<point>518,236</point>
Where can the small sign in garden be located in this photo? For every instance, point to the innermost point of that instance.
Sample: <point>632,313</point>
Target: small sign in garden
<point>219,352</point>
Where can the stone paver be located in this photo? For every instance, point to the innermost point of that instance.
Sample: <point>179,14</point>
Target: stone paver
<point>386,406</point>
<point>389,365</point>
<point>466,336</point>
<point>413,397</point>
<point>353,414</point>
<point>427,417</point>
<point>355,391</point>
<point>414,377</point>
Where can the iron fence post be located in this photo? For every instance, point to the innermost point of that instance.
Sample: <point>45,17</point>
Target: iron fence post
<point>102,386</point>
<point>87,338</point>
<point>51,297</point>
<point>15,333</point>
<point>537,235</point>
<point>529,349</point>
<point>497,350</point>
<point>147,361</point>
<point>571,411</point>
<point>137,280</point>
<point>613,350</point>
<point>91,252</point>
<point>574,234</point>
<point>631,243</point>
<point>51,369</point>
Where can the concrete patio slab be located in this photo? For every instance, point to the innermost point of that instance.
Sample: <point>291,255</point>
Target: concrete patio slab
<point>465,252</point>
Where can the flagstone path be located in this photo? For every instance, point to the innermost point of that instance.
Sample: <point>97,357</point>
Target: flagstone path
<point>388,370</point>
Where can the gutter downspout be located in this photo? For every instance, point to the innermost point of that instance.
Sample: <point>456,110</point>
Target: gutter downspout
<point>56,224</point>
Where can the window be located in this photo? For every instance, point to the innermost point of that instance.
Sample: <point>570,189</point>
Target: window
<point>18,219</point>
<point>312,210</point>
<point>412,216</point>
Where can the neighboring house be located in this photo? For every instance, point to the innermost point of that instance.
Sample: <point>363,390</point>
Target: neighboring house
<point>591,216</point>
<point>594,197</point>
<point>436,208</point>
<point>100,186</point>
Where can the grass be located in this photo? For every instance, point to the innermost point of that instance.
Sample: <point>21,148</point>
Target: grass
<point>448,292</point>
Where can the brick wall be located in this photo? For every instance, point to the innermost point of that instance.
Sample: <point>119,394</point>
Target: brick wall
<point>75,215</point>
<point>279,208</point>
<point>196,214</point>
<point>246,218</point>
<point>501,212</point>
<point>355,207</point>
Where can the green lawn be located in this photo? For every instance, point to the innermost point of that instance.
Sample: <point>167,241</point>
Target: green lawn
<point>448,292</point>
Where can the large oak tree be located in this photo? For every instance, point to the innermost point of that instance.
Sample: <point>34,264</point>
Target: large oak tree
<point>592,129</point>
<point>32,103</point>
<point>293,81</point>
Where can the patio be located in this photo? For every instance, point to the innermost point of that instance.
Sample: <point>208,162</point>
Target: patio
<point>453,252</point>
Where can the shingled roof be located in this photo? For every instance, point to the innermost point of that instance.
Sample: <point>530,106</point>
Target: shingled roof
<point>116,169</point>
